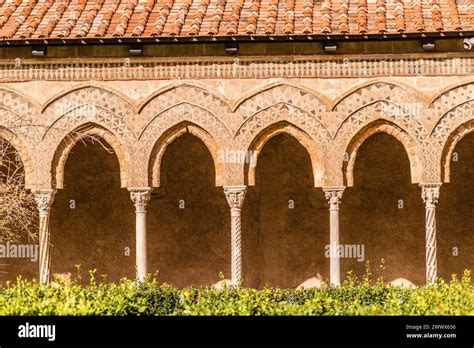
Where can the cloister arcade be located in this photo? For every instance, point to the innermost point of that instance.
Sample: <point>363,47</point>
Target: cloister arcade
<point>254,186</point>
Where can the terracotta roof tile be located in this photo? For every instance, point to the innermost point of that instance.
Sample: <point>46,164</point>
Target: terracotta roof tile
<point>143,19</point>
<point>107,18</point>
<point>362,16</point>
<point>470,13</point>
<point>89,20</point>
<point>8,11</point>
<point>399,16</point>
<point>271,17</point>
<point>216,17</point>
<point>253,17</point>
<point>198,17</point>
<point>381,25</point>
<point>24,19</point>
<point>51,24</point>
<point>235,16</point>
<point>326,16</point>
<point>34,22</point>
<point>418,15</point>
<point>453,12</point>
<point>436,15</point>
<point>121,28</point>
<point>8,31</point>
<point>289,17</point>
<point>162,17</point>
<point>73,17</point>
<point>308,17</point>
<point>343,16</point>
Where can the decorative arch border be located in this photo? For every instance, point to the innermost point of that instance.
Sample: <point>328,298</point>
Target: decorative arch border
<point>390,128</point>
<point>388,82</point>
<point>285,127</point>
<point>107,120</point>
<point>29,100</point>
<point>453,139</point>
<point>26,158</point>
<point>281,112</point>
<point>452,87</point>
<point>175,86</point>
<point>170,135</point>
<point>79,87</point>
<point>82,132</point>
<point>261,90</point>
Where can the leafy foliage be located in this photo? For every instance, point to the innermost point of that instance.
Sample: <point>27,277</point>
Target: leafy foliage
<point>149,298</point>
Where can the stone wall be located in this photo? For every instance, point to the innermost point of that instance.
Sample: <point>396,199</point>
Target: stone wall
<point>176,127</point>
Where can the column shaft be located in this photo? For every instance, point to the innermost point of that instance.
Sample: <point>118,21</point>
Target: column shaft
<point>334,196</point>
<point>44,200</point>
<point>140,198</point>
<point>430,195</point>
<point>235,197</point>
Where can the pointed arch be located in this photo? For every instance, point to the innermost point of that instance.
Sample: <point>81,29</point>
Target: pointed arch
<point>453,139</point>
<point>379,126</point>
<point>302,137</point>
<point>156,156</point>
<point>92,131</point>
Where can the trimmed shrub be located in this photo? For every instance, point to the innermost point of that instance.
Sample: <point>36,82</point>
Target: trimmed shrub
<point>149,298</point>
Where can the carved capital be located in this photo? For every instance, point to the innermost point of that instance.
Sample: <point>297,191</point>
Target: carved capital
<point>235,196</point>
<point>44,200</point>
<point>140,198</point>
<point>334,196</point>
<point>430,194</point>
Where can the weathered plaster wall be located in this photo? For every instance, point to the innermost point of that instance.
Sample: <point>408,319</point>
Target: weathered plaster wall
<point>329,100</point>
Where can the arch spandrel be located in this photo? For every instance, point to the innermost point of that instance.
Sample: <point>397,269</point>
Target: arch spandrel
<point>379,112</point>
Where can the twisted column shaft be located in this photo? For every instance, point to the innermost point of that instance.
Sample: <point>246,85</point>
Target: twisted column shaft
<point>44,199</point>
<point>430,195</point>
<point>235,196</point>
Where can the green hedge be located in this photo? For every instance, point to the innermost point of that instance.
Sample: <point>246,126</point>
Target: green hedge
<point>149,298</point>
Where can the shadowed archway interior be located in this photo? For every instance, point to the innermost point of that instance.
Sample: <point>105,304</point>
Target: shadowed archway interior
<point>455,220</point>
<point>383,213</point>
<point>285,219</point>
<point>188,218</point>
<point>92,218</point>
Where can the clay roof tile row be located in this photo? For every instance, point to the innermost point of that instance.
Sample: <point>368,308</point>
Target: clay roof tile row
<point>88,21</point>
<point>25,19</point>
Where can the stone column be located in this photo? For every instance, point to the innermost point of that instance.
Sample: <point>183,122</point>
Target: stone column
<point>44,199</point>
<point>430,195</point>
<point>140,198</point>
<point>334,196</point>
<point>235,197</point>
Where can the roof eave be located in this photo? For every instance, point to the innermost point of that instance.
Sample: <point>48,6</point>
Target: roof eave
<point>236,38</point>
